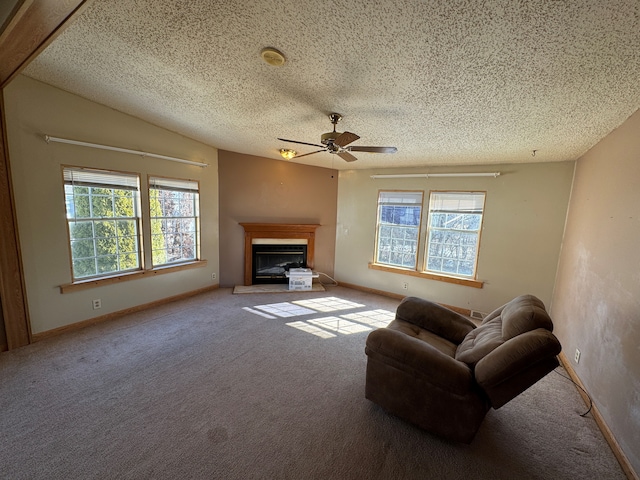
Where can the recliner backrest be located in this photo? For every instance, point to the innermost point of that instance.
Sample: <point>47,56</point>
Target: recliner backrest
<point>522,314</point>
<point>511,350</point>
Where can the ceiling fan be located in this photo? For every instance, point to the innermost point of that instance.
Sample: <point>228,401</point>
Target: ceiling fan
<point>336,142</point>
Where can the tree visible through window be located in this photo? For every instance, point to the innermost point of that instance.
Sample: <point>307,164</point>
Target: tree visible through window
<point>455,220</point>
<point>103,218</point>
<point>175,220</point>
<point>398,231</point>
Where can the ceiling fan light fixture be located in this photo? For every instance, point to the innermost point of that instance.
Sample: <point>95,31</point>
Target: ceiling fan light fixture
<point>287,153</point>
<point>273,57</point>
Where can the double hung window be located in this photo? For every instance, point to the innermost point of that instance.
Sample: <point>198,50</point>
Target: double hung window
<point>453,234</point>
<point>103,217</point>
<point>398,230</point>
<point>174,220</point>
<point>105,222</point>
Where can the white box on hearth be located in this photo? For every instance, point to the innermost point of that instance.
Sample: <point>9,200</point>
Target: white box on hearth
<point>300,278</point>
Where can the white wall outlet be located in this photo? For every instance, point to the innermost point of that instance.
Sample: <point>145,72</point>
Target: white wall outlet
<point>576,358</point>
<point>97,303</point>
<point>405,285</point>
<point>214,276</point>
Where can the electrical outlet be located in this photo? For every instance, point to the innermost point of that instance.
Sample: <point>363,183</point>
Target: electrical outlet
<point>405,285</point>
<point>97,303</point>
<point>576,358</point>
<point>214,276</point>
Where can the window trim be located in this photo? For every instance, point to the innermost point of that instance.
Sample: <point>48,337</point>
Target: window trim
<point>153,181</point>
<point>126,276</point>
<point>420,270</point>
<point>467,282</point>
<point>143,271</point>
<point>137,206</point>
<point>425,256</point>
<point>377,234</point>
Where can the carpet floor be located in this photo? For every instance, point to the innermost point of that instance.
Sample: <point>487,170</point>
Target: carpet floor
<point>255,386</point>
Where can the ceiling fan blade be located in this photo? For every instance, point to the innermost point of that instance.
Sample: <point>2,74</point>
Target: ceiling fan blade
<point>345,139</point>
<point>302,143</point>
<point>347,157</point>
<point>373,149</point>
<point>305,154</point>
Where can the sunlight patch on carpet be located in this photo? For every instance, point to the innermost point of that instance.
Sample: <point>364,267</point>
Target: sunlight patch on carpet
<point>328,304</point>
<point>345,324</point>
<point>257,312</point>
<point>325,327</point>
<point>312,329</point>
<point>375,318</point>
<point>284,309</point>
<point>339,325</point>
<point>303,307</point>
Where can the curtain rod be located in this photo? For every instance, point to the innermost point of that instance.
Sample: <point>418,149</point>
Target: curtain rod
<point>435,175</point>
<point>49,138</point>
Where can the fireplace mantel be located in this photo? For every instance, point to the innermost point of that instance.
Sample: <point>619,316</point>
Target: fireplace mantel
<point>277,231</point>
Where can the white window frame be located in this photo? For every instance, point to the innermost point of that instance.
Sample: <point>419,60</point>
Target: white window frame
<point>89,234</point>
<point>179,234</point>
<point>396,243</point>
<point>454,229</point>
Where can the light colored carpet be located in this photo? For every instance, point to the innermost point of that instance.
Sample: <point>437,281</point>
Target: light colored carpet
<point>223,386</point>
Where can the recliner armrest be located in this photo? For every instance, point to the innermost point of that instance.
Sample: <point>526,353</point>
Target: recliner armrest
<point>412,355</point>
<point>435,318</point>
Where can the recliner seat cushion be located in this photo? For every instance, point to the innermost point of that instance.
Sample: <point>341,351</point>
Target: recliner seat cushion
<point>435,318</point>
<point>480,342</point>
<point>436,341</point>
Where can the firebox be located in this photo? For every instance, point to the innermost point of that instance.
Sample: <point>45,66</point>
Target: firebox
<point>270,262</point>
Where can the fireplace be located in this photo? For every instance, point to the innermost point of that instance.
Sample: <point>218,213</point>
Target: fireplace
<point>297,239</point>
<point>270,262</point>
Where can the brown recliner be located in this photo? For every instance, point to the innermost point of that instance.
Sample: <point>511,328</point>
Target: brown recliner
<point>433,367</point>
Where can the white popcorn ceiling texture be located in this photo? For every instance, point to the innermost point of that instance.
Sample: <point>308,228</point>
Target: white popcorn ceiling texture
<point>446,82</point>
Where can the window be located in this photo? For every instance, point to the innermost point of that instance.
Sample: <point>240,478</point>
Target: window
<point>398,231</point>
<point>175,219</point>
<point>103,216</point>
<point>453,233</point>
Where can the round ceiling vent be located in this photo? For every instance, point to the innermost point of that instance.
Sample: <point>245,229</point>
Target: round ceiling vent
<point>272,56</point>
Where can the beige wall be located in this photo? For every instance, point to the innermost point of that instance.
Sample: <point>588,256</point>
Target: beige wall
<point>525,211</point>
<point>257,189</point>
<point>596,304</point>
<point>34,109</point>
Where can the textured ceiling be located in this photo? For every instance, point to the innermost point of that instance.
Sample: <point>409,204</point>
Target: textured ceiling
<point>446,82</point>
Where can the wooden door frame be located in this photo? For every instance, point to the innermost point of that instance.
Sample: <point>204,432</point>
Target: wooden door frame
<point>30,28</point>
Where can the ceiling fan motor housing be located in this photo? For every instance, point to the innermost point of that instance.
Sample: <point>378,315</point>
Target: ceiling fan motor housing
<point>329,137</point>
